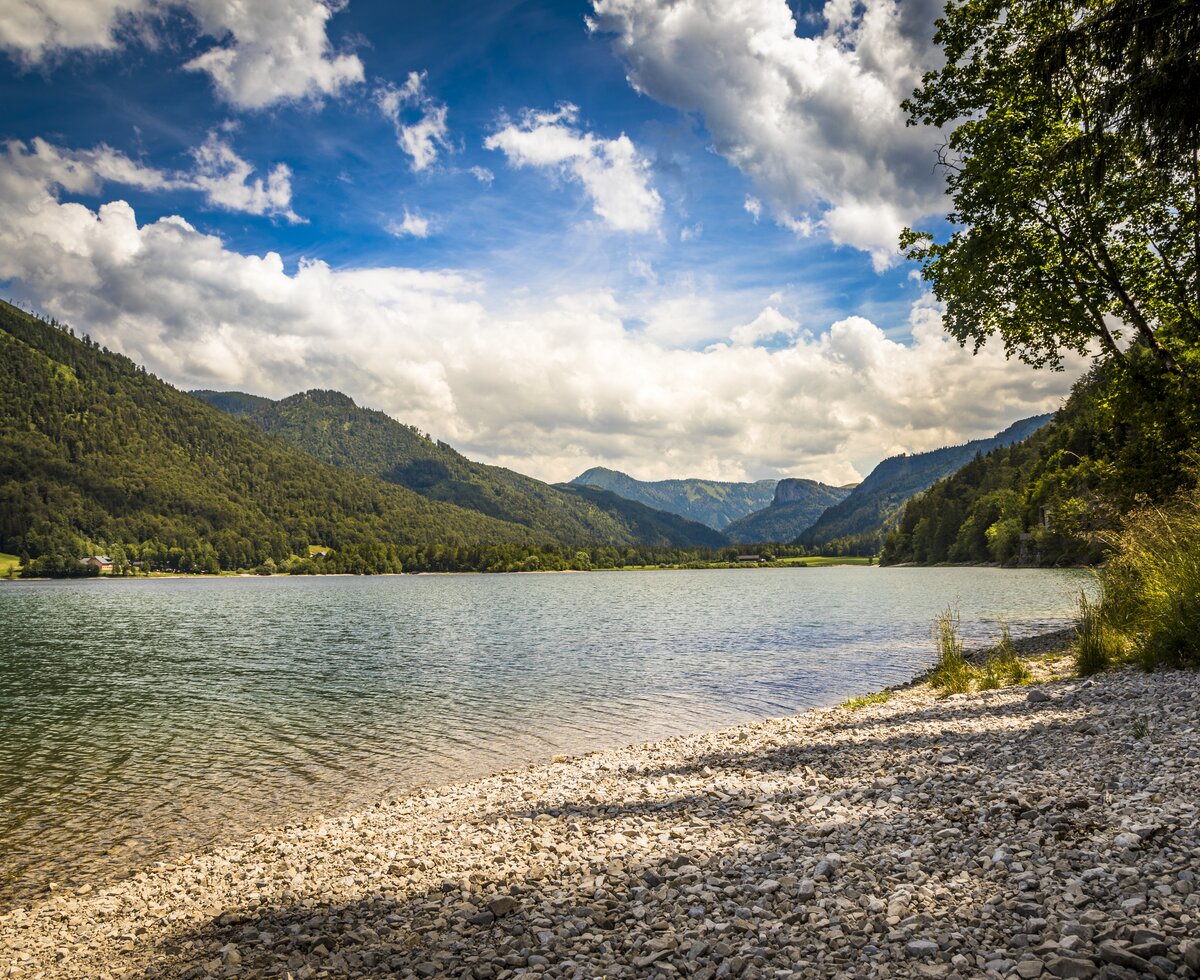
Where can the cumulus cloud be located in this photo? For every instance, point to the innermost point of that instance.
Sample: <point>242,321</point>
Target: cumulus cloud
<point>426,134</point>
<point>813,121</point>
<point>614,175</point>
<point>228,182</point>
<point>546,384</point>
<point>413,226</point>
<point>268,51</point>
<point>752,206</point>
<point>223,177</point>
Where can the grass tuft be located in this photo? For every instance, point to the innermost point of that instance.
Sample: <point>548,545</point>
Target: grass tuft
<point>952,674</point>
<point>879,697</point>
<point>1096,648</point>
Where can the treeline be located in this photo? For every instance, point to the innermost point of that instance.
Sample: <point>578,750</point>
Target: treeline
<point>380,559</point>
<point>1057,498</point>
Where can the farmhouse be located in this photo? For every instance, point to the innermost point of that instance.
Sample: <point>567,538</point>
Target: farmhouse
<point>102,562</point>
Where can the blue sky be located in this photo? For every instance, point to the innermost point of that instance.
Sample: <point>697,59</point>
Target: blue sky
<point>657,236</point>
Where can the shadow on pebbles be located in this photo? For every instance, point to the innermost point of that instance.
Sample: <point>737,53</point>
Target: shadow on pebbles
<point>1030,832</point>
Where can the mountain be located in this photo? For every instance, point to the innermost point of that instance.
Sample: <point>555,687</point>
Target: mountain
<point>1057,497</point>
<point>330,426</point>
<point>797,505</point>
<point>652,527</point>
<point>94,450</point>
<point>710,502</point>
<point>857,524</point>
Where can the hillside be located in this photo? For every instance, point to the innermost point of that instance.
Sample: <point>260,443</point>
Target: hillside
<point>1054,497</point>
<point>330,426</point>
<point>857,525</point>
<point>796,507</point>
<point>94,451</point>
<point>710,502</point>
<point>652,527</point>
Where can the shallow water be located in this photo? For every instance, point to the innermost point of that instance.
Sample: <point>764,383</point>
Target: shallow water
<point>140,719</point>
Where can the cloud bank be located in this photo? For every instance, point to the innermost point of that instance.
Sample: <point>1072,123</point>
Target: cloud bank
<point>814,122</point>
<point>547,385</point>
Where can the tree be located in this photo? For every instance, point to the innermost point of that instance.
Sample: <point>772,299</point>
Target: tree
<point>1073,224</point>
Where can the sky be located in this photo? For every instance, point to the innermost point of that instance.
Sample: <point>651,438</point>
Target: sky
<point>655,235</point>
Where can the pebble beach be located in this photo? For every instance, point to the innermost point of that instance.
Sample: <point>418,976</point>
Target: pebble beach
<point>1050,830</point>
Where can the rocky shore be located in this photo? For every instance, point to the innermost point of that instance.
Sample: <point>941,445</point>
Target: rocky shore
<point>1044,831</point>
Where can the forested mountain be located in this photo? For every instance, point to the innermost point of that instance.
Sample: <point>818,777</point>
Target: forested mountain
<point>858,524</point>
<point>1051,498</point>
<point>650,526</point>
<point>710,502</point>
<point>796,507</point>
<point>330,426</point>
<point>94,449</point>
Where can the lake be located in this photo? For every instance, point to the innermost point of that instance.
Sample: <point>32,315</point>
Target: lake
<point>141,719</point>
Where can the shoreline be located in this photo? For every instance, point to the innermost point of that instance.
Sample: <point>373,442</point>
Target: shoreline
<point>914,837</point>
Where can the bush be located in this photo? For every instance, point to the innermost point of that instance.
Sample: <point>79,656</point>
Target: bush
<point>1151,584</point>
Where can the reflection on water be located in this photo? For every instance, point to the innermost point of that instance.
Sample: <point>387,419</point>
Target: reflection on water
<point>141,719</point>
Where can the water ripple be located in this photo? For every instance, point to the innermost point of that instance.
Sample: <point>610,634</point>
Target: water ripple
<point>142,719</point>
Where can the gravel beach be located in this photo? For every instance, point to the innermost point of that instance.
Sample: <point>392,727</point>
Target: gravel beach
<point>1050,830</point>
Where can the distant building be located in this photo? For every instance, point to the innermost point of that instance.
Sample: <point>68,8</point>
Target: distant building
<point>749,558</point>
<point>102,562</point>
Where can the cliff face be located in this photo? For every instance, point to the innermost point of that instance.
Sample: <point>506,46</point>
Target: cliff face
<point>797,504</point>
<point>791,489</point>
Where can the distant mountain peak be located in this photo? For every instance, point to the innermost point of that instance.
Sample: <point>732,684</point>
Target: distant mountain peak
<point>713,502</point>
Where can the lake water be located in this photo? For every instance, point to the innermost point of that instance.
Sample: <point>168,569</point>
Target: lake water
<point>140,719</point>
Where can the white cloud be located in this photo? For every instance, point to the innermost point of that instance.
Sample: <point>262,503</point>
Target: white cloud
<point>548,385</point>
<point>689,233</point>
<point>613,173</point>
<point>753,207</point>
<point>482,174</point>
<point>224,178</point>
<point>769,324</point>
<point>227,182</point>
<point>427,134</point>
<point>813,121</point>
<point>268,51</point>
<point>641,269</point>
<point>413,226</point>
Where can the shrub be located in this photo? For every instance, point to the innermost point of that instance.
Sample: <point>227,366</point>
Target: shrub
<point>1151,584</point>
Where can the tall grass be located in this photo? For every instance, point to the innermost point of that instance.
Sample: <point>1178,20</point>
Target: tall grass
<point>1096,648</point>
<point>1151,584</point>
<point>952,674</point>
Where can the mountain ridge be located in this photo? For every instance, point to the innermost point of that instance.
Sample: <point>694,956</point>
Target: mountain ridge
<point>716,503</point>
<point>797,504</point>
<point>333,427</point>
<point>858,523</point>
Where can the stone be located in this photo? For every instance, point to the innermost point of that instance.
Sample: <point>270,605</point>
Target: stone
<point>1037,696</point>
<point>1029,969</point>
<point>921,947</point>
<point>1070,967</point>
<point>502,906</point>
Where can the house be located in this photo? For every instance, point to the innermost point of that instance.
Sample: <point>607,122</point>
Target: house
<point>101,562</point>
<point>749,558</point>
